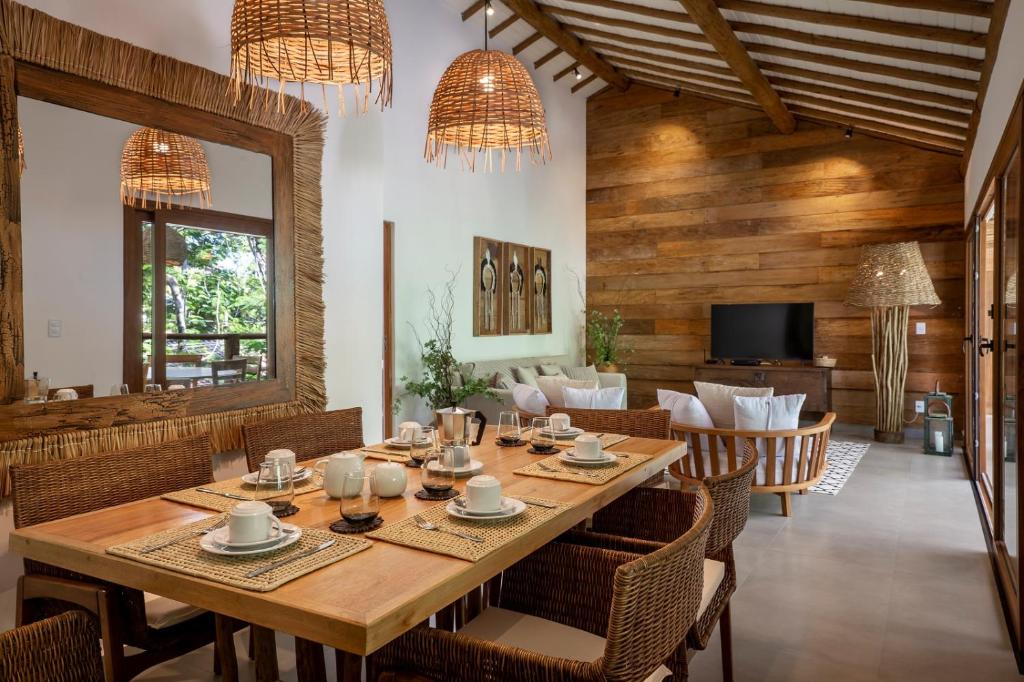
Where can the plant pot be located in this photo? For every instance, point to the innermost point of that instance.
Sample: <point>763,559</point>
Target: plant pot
<point>608,368</point>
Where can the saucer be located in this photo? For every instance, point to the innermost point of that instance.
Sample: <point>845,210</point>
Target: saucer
<point>570,432</point>
<point>216,542</point>
<point>400,444</point>
<point>300,475</point>
<point>472,469</point>
<point>570,458</point>
<point>509,507</point>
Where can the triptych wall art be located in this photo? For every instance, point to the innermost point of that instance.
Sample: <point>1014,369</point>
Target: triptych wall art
<point>511,288</point>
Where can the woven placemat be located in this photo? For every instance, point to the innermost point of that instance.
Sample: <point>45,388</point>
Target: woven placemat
<point>593,474</point>
<point>496,534</point>
<point>382,451</point>
<point>196,498</point>
<point>188,558</point>
<point>607,440</point>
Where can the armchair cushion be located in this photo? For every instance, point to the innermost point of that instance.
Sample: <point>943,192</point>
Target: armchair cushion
<point>718,399</point>
<point>529,399</point>
<point>542,636</point>
<point>593,399</point>
<point>162,612</point>
<point>552,388</point>
<point>685,408</point>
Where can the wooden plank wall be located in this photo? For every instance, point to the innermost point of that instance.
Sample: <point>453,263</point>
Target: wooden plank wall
<point>692,202</point>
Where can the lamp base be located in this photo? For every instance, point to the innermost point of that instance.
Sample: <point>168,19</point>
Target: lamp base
<point>888,436</point>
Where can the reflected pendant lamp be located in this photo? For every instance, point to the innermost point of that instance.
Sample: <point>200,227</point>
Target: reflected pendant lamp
<point>319,42</point>
<point>164,167</point>
<point>486,104</point>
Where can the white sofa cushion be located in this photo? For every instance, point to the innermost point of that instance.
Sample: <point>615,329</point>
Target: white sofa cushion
<point>718,399</point>
<point>529,399</point>
<point>546,637</point>
<point>592,399</point>
<point>685,409</point>
<point>162,612</point>
<point>779,413</point>
<point>552,388</point>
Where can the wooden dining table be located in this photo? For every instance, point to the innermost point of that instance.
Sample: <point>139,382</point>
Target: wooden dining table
<point>359,603</point>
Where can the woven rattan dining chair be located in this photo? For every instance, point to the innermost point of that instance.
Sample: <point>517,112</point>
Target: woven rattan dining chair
<point>63,648</point>
<point>308,435</point>
<point>634,423</point>
<point>622,622</point>
<point>655,516</point>
<point>55,490</point>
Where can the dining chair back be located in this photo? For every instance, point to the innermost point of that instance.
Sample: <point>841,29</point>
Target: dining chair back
<point>633,423</point>
<point>64,647</point>
<point>228,371</point>
<point>317,434</point>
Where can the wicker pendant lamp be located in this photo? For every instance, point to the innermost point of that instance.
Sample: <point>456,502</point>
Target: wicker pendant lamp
<point>486,102</point>
<point>890,279</point>
<point>163,166</point>
<point>320,42</point>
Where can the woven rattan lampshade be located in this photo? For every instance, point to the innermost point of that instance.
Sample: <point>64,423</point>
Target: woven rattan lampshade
<point>891,275</point>
<point>163,166</point>
<point>486,102</point>
<point>325,42</point>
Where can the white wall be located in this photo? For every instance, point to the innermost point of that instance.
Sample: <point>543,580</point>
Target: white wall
<point>374,171</point>
<point>72,230</point>
<point>1003,88</point>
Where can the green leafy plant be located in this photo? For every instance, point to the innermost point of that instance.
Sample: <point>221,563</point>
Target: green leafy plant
<point>444,381</point>
<point>603,334</point>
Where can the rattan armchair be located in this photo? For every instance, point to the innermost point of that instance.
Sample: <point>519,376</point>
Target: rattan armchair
<point>308,435</point>
<point>55,490</point>
<point>633,610</point>
<point>635,423</point>
<point>63,648</point>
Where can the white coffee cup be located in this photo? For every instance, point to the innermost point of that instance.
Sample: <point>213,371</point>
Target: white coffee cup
<point>281,456</point>
<point>560,422</point>
<point>390,479</point>
<point>587,447</point>
<point>410,432</point>
<point>332,470</point>
<point>66,394</point>
<point>483,494</point>
<point>459,456</point>
<point>252,521</point>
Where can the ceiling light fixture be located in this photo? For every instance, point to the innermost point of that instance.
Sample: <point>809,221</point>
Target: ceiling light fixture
<point>490,9</point>
<point>159,165</point>
<point>576,72</point>
<point>849,133</point>
<point>320,42</point>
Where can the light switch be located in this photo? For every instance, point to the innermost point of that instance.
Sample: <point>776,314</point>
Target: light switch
<point>921,328</point>
<point>54,328</point>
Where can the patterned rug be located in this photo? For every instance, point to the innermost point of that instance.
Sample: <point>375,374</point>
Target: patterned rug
<point>842,460</point>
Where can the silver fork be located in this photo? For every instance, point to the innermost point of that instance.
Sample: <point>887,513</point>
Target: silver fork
<point>427,525</point>
<point>544,467</point>
<point>168,543</point>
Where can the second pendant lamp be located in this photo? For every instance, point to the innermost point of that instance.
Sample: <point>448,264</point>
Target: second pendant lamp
<point>486,104</point>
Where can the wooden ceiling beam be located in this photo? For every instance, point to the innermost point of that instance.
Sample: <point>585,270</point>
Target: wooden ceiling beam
<point>639,10</point>
<point>737,98</point>
<point>468,13</point>
<point>656,29</point>
<point>632,65</point>
<point>917,138</point>
<point>584,83</point>
<point>995,33</point>
<point>496,31</point>
<point>547,58</point>
<point>971,8</point>
<point>532,14</point>
<point>896,28</point>
<point>566,71</point>
<point>644,42</point>
<point>707,16</point>
<point>606,48</point>
<point>885,117</point>
<point>524,44</point>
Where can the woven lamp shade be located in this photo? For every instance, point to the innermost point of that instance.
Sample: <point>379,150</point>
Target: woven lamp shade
<point>486,101</point>
<point>324,42</point>
<point>892,275</point>
<point>163,166</point>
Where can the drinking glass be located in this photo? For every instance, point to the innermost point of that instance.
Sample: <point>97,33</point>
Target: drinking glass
<point>152,388</point>
<point>509,427</point>
<point>275,485</point>
<point>119,389</point>
<point>36,389</point>
<point>360,503</point>
<point>428,443</point>
<point>542,437</point>
<point>438,474</point>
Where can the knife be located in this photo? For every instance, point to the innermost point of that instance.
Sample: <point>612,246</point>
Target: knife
<point>232,496</point>
<point>295,557</point>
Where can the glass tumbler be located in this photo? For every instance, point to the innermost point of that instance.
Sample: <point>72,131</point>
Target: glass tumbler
<point>438,475</point>
<point>542,438</point>
<point>275,485</point>
<point>360,503</point>
<point>509,427</point>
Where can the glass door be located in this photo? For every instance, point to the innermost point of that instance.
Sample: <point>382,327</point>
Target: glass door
<point>1009,228</point>
<point>986,379</point>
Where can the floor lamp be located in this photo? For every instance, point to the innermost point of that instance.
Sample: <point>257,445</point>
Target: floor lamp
<point>890,279</point>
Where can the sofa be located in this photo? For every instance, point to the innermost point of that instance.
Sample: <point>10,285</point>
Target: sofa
<point>491,370</point>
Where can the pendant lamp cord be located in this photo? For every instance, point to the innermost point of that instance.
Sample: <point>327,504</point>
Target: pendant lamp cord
<point>485,27</point>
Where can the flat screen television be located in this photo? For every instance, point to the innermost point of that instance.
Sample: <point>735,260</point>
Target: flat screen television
<point>762,331</point>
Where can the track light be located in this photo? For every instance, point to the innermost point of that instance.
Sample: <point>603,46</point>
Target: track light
<point>489,9</point>
<point>849,132</point>
<point>576,72</point>
<point>677,92</point>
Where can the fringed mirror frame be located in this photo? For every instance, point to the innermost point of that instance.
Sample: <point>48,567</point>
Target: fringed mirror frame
<point>51,60</point>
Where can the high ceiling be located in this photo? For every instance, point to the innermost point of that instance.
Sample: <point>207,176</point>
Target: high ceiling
<point>905,69</point>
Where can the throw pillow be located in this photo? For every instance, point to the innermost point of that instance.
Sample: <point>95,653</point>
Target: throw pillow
<point>588,373</point>
<point>779,413</point>
<point>685,409</point>
<point>503,379</point>
<point>529,399</point>
<point>593,399</point>
<point>526,375</point>
<point>552,387</point>
<point>551,371</point>
<point>718,399</point>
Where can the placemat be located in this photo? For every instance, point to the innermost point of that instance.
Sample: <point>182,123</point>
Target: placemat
<point>235,486</point>
<point>188,558</point>
<point>496,534</point>
<point>382,451</point>
<point>607,440</point>
<point>594,475</point>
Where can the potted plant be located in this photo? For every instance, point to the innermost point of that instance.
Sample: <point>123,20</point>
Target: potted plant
<point>603,335</point>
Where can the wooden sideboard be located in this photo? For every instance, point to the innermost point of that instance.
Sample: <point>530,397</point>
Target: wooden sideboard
<point>815,382</point>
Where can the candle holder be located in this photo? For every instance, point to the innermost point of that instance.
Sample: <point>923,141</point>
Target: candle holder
<point>938,424</point>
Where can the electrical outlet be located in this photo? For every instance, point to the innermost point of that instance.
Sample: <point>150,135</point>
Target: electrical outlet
<point>54,328</point>
<point>919,406</point>
<point>921,328</point>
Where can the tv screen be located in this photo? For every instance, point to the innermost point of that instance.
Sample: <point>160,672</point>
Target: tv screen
<point>762,331</point>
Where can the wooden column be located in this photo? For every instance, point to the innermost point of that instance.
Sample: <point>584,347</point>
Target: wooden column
<point>12,323</point>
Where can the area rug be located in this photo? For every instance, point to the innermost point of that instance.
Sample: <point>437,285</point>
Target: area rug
<point>842,458</point>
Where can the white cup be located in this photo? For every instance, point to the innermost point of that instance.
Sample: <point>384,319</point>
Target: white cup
<point>252,521</point>
<point>332,470</point>
<point>459,457</point>
<point>483,494</point>
<point>390,479</point>
<point>66,394</point>
<point>587,447</point>
<point>559,422</point>
<point>281,456</point>
<point>410,432</point>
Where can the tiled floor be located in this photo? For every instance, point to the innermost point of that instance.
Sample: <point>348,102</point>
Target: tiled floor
<point>888,581</point>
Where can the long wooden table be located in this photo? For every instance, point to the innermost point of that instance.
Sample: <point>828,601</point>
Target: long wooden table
<point>358,604</point>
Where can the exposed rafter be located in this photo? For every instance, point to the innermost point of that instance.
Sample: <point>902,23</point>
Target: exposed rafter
<point>705,53</point>
<point>566,71</point>
<point>995,32</point>
<point>656,29</point>
<point>496,31</point>
<point>972,8</point>
<point>473,9</point>
<point>920,139</point>
<point>610,51</point>
<point>706,15</point>
<point>584,83</point>
<point>637,65</point>
<point>525,43</point>
<point>547,58</point>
